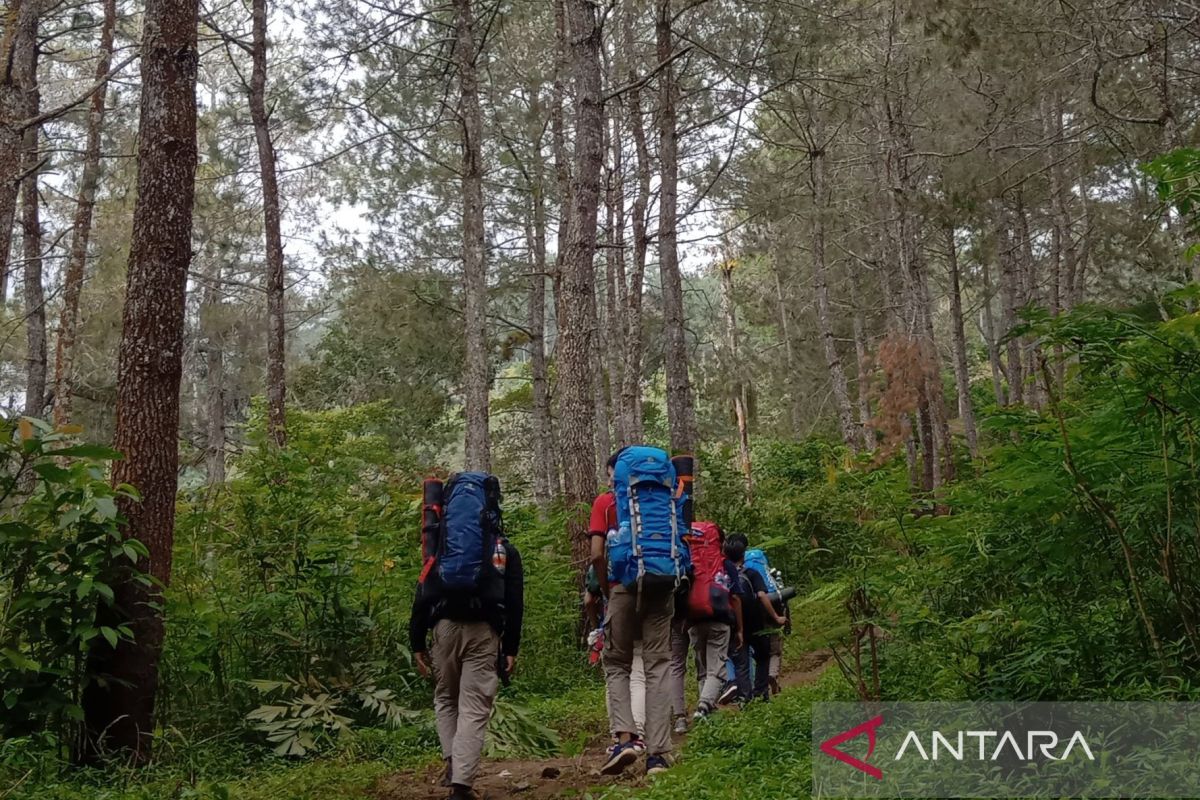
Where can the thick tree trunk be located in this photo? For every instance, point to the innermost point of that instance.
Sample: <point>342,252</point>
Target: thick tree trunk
<point>738,387</point>
<point>579,277</point>
<point>833,360</point>
<point>276,336</point>
<point>31,245</point>
<point>962,377</point>
<point>18,44</point>
<point>545,473</point>
<point>631,387</point>
<point>681,415</point>
<point>85,204</point>
<point>120,710</point>
<point>477,375</point>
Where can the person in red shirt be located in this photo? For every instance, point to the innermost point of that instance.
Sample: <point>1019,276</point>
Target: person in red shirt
<point>628,744</point>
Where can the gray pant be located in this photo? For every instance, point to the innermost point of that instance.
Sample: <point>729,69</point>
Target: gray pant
<point>711,640</point>
<point>647,618</point>
<point>679,648</point>
<point>465,684</point>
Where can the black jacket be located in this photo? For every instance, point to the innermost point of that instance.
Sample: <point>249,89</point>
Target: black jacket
<point>505,618</point>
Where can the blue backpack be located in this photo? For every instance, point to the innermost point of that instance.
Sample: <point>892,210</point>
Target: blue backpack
<point>466,551</point>
<point>648,546</point>
<point>757,560</point>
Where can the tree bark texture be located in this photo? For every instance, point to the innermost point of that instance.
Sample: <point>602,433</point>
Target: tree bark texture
<point>120,711</point>
<point>81,228</point>
<point>681,414</point>
<point>477,379</point>
<point>576,339</point>
<point>275,282</point>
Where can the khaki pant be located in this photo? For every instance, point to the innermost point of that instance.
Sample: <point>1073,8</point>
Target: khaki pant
<point>711,641</point>
<point>465,684</point>
<point>647,619</point>
<point>637,691</point>
<point>679,649</point>
<point>776,655</point>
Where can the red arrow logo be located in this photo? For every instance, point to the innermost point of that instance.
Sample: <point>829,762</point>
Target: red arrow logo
<point>830,747</point>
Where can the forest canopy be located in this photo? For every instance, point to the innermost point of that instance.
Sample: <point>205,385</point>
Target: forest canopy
<point>916,282</point>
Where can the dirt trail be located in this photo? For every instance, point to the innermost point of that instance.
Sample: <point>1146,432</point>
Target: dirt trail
<point>545,778</point>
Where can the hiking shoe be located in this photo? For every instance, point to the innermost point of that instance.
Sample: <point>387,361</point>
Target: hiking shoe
<point>446,782</point>
<point>460,792</point>
<point>656,764</point>
<point>681,725</point>
<point>702,712</point>
<point>728,695</point>
<point>620,756</point>
<point>639,744</point>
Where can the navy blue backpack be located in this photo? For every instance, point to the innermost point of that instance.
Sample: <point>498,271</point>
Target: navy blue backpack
<point>464,548</point>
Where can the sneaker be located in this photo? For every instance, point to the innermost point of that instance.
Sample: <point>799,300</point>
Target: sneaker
<point>620,756</point>
<point>639,744</point>
<point>702,712</point>
<point>446,782</point>
<point>656,764</point>
<point>681,724</point>
<point>728,695</point>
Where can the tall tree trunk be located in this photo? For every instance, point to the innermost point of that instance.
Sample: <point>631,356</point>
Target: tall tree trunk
<point>988,328</point>
<point>120,710</point>
<point>863,382</point>
<point>631,387</point>
<point>276,341</point>
<point>545,477</point>
<point>962,377</point>
<point>603,430</point>
<point>85,204</point>
<point>833,360</point>
<point>214,376</point>
<point>738,387</point>
<point>579,276</point>
<point>476,378</point>
<point>18,43</point>
<point>558,145</point>
<point>796,416</point>
<point>1010,293</point>
<point>681,415</point>
<point>619,298</point>
<point>1028,287</point>
<point>31,244</point>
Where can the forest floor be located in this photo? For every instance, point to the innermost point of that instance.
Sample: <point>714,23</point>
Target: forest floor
<point>546,778</point>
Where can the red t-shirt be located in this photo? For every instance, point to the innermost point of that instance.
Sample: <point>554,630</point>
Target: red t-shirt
<point>604,515</point>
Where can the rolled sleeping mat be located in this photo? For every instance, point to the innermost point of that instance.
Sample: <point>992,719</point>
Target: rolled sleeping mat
<point>685,467</point>
<point>432,499</point>
<point>783,595</point>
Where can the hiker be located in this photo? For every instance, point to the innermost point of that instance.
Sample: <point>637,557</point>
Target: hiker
<point>642,560</point>
<point>758,614</point>
<point>471,595</point>
<point>714,610</point>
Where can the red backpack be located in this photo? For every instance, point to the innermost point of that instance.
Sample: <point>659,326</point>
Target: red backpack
<point>709,593</point>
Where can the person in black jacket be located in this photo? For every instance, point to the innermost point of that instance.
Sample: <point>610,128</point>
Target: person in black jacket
<point>474,647</point>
